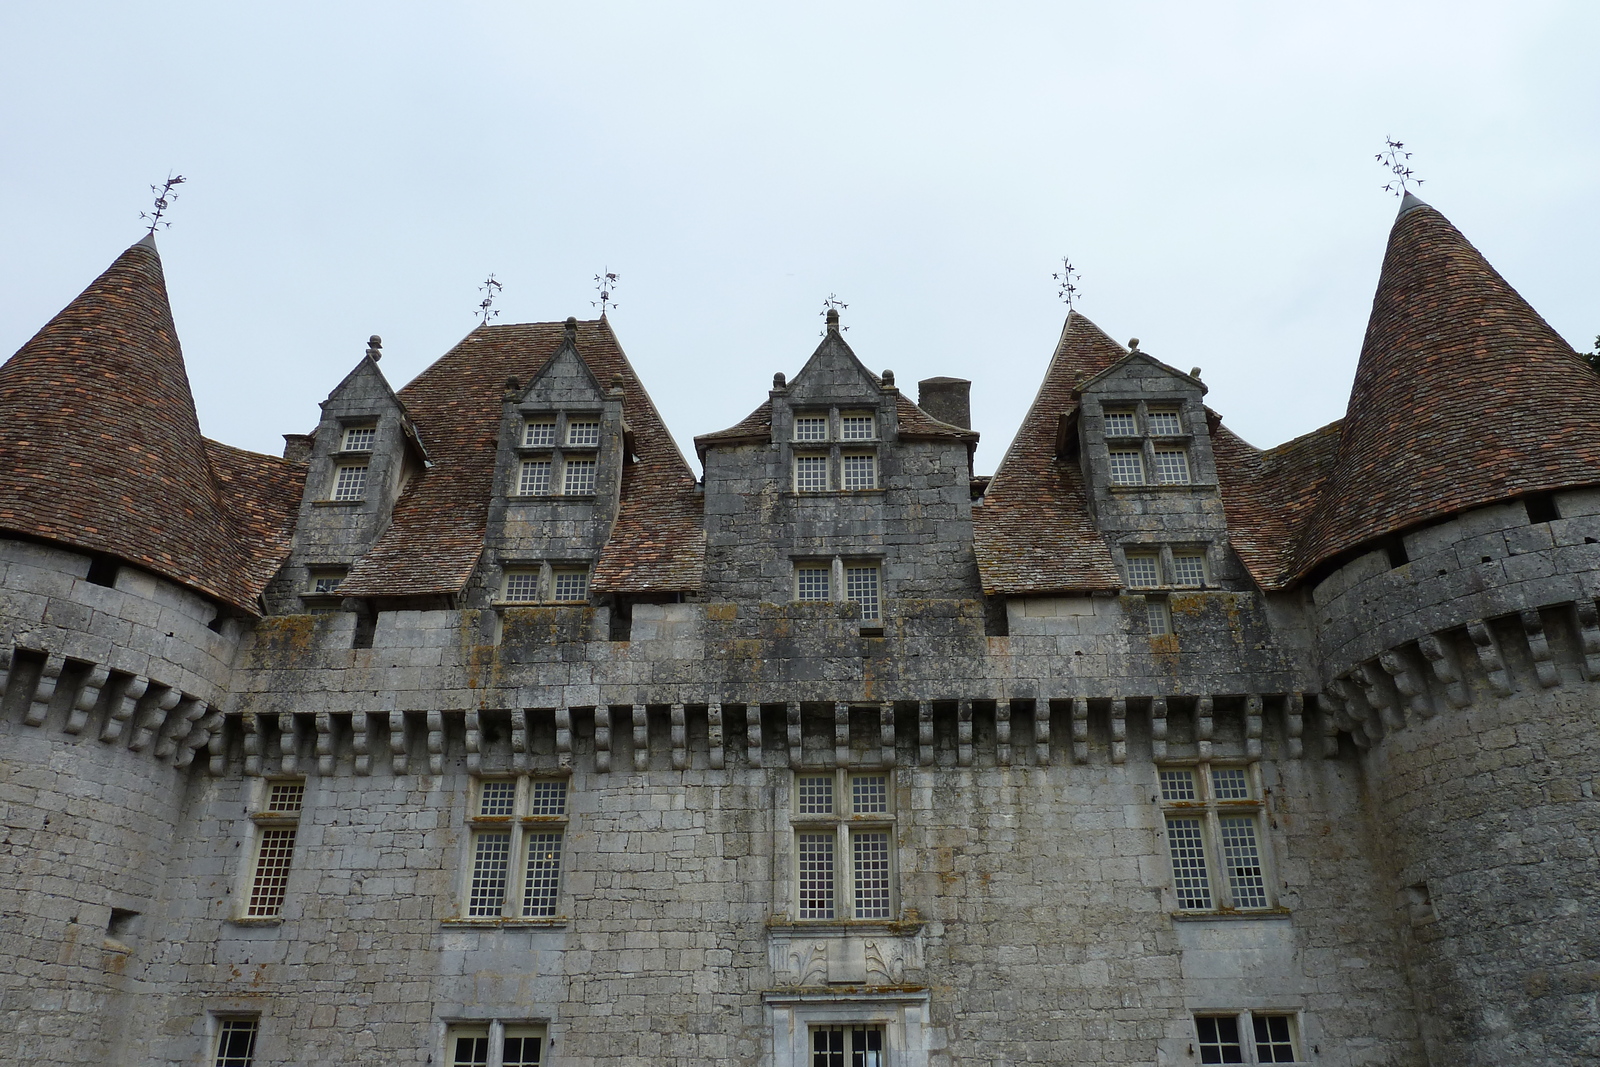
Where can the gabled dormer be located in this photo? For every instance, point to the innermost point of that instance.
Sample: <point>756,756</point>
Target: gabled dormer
<point>359,459</point>
<point>558,477</point>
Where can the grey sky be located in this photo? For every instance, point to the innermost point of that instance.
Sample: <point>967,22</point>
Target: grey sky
<point>359,168</point>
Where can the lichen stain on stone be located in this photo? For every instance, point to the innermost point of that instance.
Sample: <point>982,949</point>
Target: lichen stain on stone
<point>290,634</point>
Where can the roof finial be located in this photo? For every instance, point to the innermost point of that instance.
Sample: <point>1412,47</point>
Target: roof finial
<point>1393,157</point>
<point>1066,285</point>
<point>164,198</point>
<point>830,313</point>
<point>1133,344</point>
<point>374,348</point>
<point>606,285</point>
<point>486,310</point>
<point>572,327</point>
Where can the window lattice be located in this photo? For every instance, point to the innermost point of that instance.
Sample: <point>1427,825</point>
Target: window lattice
<point>286,797</point>
<point>1143,571</point>
<point>1157,617</point>
<point>810,474</point>
<point>861,586</point>
<point>816,796</point>
<point>236,1042</point>
<point>491,858</point>
<point>540,434</point>
<point>1189,864</point>
<point>359,438</point>
<point>847,1046</point>
<point>583,433</point>
<point>351,483</point>
<point>274,852</point>
<point>325,583</point>
<point>571,585</point>
<point>1219,1039</point>
<point>522,586</point>
<point>811,583</point>
<point>535,478</point>
<point>549,799</point>
<point>1164,423</point>
<point>1188,570</point>
<point>1230,783</point>
<point>1243,860</point>
<point>521,1049</point>
<point>871,874</point>
<point>1172,467</point>
<point>1177,785</point>
<point>860,472</point>
<point>1127,467</point>
<point>1274,1038</point>
<point>811,428</point>
<point>579,477</point>
<point>497,799</point>
<point>470,1050</point>
<point>816,876</point>
<point>541,888</point>
<point>1120,424</point>
<point>869,794</point>
<point>857,428</point>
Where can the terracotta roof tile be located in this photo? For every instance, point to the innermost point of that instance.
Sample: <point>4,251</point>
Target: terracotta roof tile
<point>914,423</point>
<point>262,495</point>
<point>1268,495</point>
<point>437,534</point>
<point>102,450</point>
<point>1463,396</point>
<point>1033,531</point>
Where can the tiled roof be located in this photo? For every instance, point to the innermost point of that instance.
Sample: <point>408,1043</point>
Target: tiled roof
<point>1268,495</point>
<point>1463,396</point>
<point>262,495</point>
<point>437,534</point>
<point>101,448</point>
<point>1033,532</point>
<point>914,423</point>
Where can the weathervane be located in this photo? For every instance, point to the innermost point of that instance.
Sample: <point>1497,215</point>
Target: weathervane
<point>1066,282</point>
<point>486,309</point>
<point>1393,157</point>
<point>835,305</point>
<point>606,285</point>
<point>164,198</point>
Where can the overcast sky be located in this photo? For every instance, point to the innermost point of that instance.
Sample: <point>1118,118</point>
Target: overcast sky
<point>359,168</point>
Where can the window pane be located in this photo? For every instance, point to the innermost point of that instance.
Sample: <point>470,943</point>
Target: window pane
<point>861,472</point>
<point>861,586</point>
<point>583,433</point>
<point>1189,876</point>
<point>1172,467</point>
<point>351,483</point>
<point>540,434</point>
<point>827,1046</point>
<point>856,428</point>
<point>1127,468</point>
<point>1230,783</point>
<point>1155,613</point>
<point>1273,1041</point>
<point>816,796</point>
<point>1120,424</point>
<point>811,583</point>
<point>1177,785</point>
<point>491,855</point>
<point>497,798</point>
<point>866,1046</point>
<point>1188,570</point>
<point>522,1048</point>
<point>571,585</point>
<point>1143,572</point>
<point>236,1042</point>
<point>816,876</point>
<point>522,586</point>
<point>811,428</point>
<point>542,887</point>
<point>286,796</point>
<point>1243,861</point>
<point>359,438</point>
<point>579,477</point>
<point>869,794</point>
<point>549,798</point>
<point>326,583</point>
<point>810,474</point>
<point>871,875</point>
<point>469,1050</point>
<point>535,478</point>
<point>1164,423</point>
<point>274,851</point>
<point>1219,1039</point>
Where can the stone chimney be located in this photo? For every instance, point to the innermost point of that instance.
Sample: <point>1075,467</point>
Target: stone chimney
<point>946,399</point>
<point>296,447</point>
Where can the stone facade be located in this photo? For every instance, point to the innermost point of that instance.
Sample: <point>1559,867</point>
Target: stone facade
<point>849,776</point>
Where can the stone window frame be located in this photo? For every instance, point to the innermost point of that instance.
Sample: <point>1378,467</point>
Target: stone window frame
<point>845,471</point>
<point>358,437</point>
<point>833,447</point>
<point>1158,616</point>
<point>226,1025</point>
<point>545,575</point>
<point>495,1033</point>
<point>847,827</point>
<point>904,1016</point>
<point>1166,556</point>
<point>349,484</point>
<point>1207,820</point>
<point>275,819</point>
<point>839,576</point>
<point>560,451</point>
<point>1211,1045</point>
<point>848,1054</point>
<point>1147,444</point>
<point>528,825</point>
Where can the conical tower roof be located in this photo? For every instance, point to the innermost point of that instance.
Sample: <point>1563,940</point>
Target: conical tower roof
<point>100,448</point>
<point>1463,396</point>
<point>1033,532</point>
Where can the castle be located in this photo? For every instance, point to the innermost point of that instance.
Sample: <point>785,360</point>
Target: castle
<point>477,731</point>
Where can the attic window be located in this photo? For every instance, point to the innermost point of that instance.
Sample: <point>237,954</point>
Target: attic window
<point>1121,424</point>
<point>857,426</point>
<point>539,433</point>
<point>350,482</point>
<point>571,583</point>
<point>583,434</point>
<point>1127,467</point>
<point>325,580</point>
<point>1172,466</point>
<point>811,428</point>
<point>1144,571</point>
<point>1164,423</point>
<point>358,438</point>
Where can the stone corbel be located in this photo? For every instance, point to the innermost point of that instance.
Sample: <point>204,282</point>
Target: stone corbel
<point>714,737</point>
<point>792,712</point>
<point>324,727</point>
<point>49,677</point>
<point>641,738</point>
<point>886,736</point>
<point>1205,725</point>
<point>925,733</point>
<point>680,738</point>
<point>1294,723</point>
<point>563,736</point>
<point>964,733</point>
<point>1544,663</point>
<point>841,734</point>
<point>1442,662</point>
<point>435,742</point>
<point>122,709</point>
<point>1119,730</point>
<point>752,734</point>
<point>398,756</point>
<point>88,697</point>
<point>602,737</point>
<point>1252,726</point>
<point>360,741</point>
<point>1002,731</point>
<point>1080,729</point>
<point>1041,729</point>
<point>1488,649</point>
<point>1158,728</point>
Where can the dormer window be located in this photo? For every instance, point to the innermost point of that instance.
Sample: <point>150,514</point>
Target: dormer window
<point>1121,424</point>
<point>583,434</point>
<point>350,482</point>
<point>857,426</point>
<point>534,479</point>
<point>1164,422</point>
<point>1144,570</point>
<point>579,477</point>
<point>811,474</point>
<point>539,433</point>
<point>325,581</point>
<point>1127,466</point>
<point>811,428</point>
<point>861,472</point>
<point>1188,568</point>
<point>1172,466</point>
<point>358,438</point>
<point>570,583</point>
